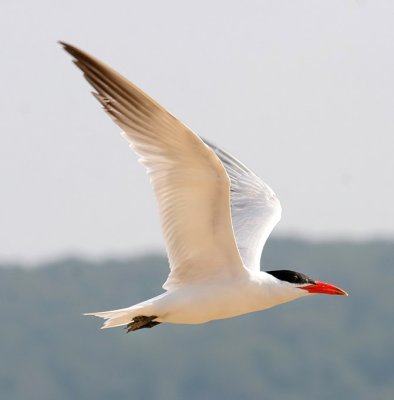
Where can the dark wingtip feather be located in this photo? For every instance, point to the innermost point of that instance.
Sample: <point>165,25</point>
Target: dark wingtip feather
<point>66,46</point>
<point>74,51</point>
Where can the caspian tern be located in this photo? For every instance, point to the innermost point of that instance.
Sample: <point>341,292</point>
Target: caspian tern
<point>215,213</point>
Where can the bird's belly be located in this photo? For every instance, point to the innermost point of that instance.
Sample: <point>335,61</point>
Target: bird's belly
<point>203,304</point>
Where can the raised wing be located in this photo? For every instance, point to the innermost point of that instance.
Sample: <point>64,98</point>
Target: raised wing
<point>190,183</point>
<point>255,209</point>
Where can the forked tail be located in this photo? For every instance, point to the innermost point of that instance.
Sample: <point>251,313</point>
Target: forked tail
<point>114,318</point>
<point>136,317</point>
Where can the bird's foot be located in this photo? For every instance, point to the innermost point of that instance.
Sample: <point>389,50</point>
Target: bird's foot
<point>141,321</point>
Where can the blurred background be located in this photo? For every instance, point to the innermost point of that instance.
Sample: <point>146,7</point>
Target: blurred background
<point>301,92</point>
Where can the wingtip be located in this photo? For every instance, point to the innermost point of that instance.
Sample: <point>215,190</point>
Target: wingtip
<point>72,50</point>
<point>63,44</point>
<point>68,48</point>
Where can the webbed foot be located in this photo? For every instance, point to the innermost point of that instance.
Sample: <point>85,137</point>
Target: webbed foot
<point>142,321</point>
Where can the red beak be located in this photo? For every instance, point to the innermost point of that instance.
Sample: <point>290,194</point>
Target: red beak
<point>324,288</point>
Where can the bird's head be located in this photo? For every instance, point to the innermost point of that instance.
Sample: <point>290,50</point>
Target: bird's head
<point>297,280</point>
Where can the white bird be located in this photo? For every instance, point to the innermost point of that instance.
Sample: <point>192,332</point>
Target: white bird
<point>215,213</point>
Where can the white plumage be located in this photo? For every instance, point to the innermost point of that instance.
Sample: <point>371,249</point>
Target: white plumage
<point>213,247</point>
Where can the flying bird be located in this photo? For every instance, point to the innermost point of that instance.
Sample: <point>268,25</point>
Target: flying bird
<point>215,214</point>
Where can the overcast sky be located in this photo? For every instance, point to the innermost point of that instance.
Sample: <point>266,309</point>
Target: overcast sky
<point>300,91</point>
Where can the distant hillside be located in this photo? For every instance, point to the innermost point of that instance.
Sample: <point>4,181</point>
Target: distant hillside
<point>316,348</point>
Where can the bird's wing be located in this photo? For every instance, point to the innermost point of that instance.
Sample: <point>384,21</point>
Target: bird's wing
<point>190,183</point>
<point>255,209</point>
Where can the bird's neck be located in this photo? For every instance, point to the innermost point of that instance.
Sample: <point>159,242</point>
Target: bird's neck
<point>270,292</point>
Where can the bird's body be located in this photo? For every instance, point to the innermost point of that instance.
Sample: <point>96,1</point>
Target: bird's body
<point>208,301</point>
<point>216,215</point>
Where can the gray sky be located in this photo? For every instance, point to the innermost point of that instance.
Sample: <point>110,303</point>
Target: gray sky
<point>300,91</point>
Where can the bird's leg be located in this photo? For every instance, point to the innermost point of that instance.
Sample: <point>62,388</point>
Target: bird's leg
<point>141,321</point>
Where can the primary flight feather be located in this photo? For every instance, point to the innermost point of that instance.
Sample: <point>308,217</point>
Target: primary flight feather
<point>215,213</point>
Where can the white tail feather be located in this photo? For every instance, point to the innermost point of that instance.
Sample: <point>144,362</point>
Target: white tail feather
<point>124,316</point>
<point>121,317</point>
<point>115,318</point>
